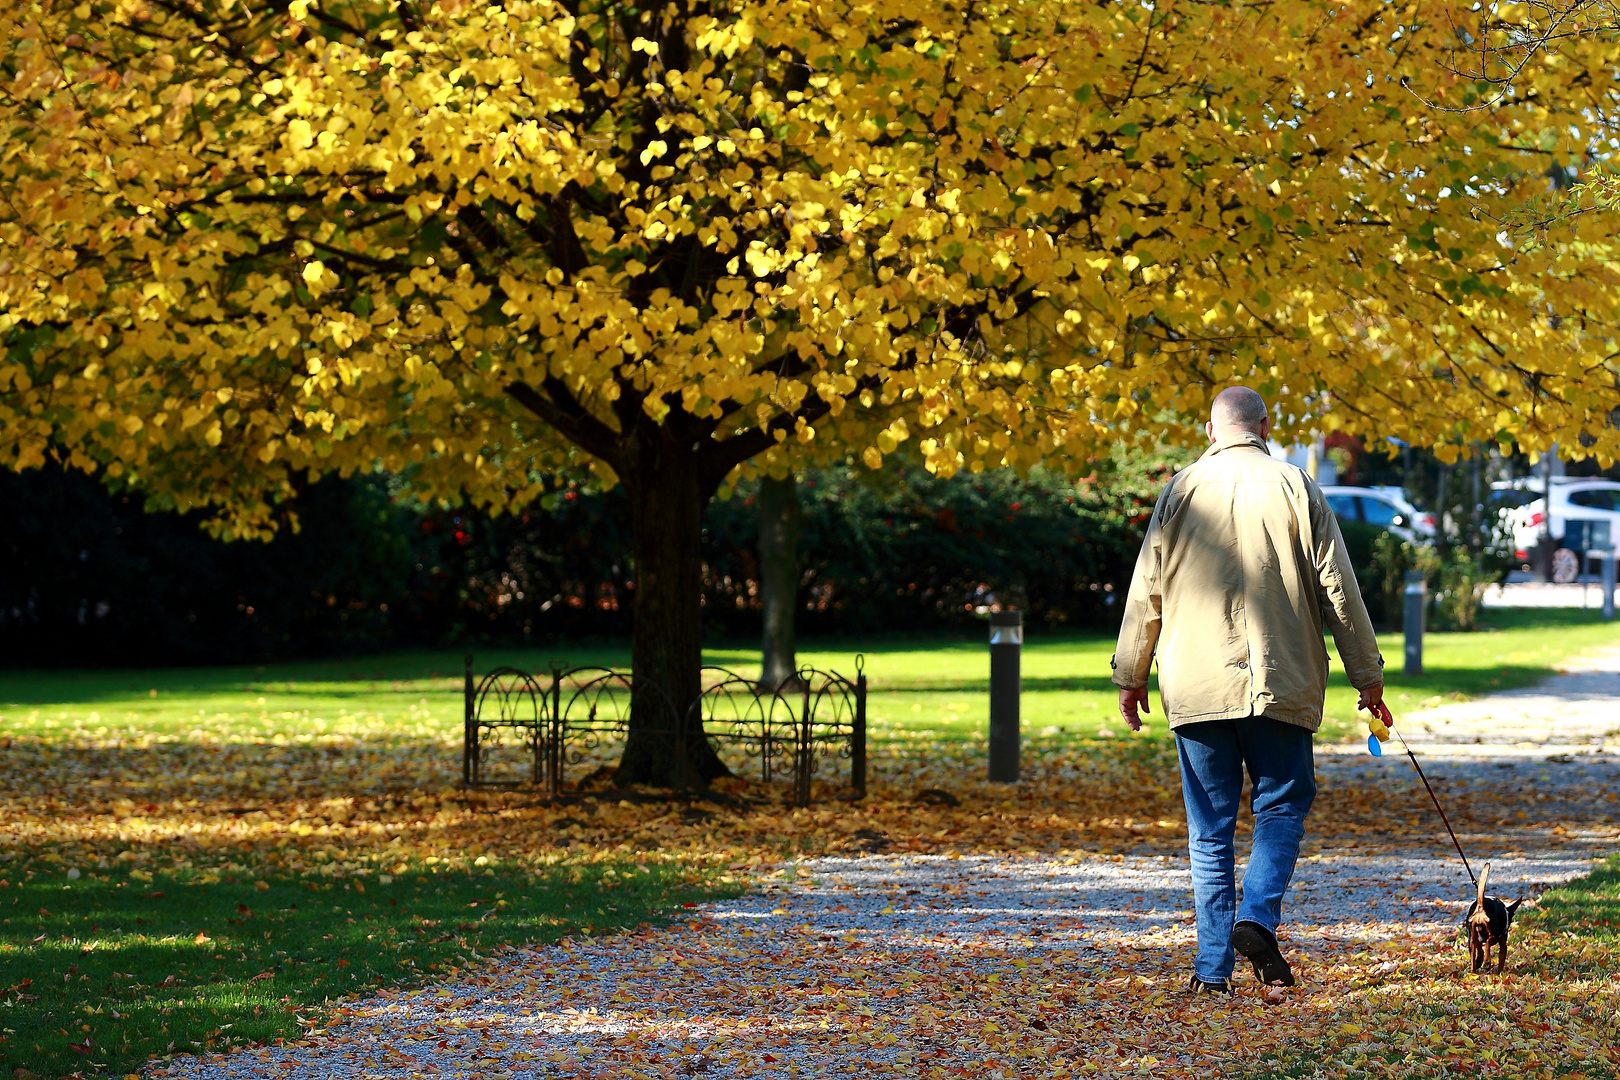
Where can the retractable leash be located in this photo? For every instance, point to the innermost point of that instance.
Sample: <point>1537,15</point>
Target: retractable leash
<point>1383,723</point>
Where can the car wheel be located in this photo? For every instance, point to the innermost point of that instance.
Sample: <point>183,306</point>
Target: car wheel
<point>1566,566</point>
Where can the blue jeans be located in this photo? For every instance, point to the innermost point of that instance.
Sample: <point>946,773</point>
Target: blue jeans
<point>1213,756</point>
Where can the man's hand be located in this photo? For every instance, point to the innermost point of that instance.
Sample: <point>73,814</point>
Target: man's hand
<point>1128,701</point>
<point>1371,698</point>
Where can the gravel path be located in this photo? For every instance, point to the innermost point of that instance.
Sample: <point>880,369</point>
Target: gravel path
<point>864,964</point>
<point>1576,710</point>
<point>936,965</point>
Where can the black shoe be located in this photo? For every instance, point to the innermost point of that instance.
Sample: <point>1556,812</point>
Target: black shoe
<point>1259,946</point>
<point>1198,986</point>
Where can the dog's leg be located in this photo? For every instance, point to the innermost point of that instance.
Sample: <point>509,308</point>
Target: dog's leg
<point>1501,955</point>
<point>1475,951</point>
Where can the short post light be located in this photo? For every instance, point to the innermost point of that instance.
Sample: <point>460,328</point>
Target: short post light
<point>1416,605</point>
<point>1006,685</point>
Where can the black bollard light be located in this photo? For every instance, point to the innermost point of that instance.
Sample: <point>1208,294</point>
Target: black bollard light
<point>1417,602</point>
<point>1006,684</point>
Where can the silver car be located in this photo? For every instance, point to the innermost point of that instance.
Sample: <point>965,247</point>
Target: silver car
<point>1585,513</point>
<point>1384,507</point>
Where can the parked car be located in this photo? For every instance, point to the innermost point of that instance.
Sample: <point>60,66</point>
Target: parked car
<point>1386,507</point>
<point>1585,512</point>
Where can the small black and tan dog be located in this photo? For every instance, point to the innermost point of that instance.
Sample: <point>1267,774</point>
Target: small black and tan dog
<point>1488,922</point>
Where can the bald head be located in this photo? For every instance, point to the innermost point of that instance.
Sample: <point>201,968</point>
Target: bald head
<point>1238,407</point>
<point>1235,409</point>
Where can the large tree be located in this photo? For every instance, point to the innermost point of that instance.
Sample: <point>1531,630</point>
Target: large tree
<point>247,242</point>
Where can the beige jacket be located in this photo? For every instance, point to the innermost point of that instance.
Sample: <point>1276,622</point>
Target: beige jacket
<point>1242,566</point>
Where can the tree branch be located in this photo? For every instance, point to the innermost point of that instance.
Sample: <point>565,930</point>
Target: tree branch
<point>727,454</point>
<point>563,411</point>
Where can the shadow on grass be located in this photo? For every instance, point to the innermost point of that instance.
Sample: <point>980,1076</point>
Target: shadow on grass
<point>100,974</point>
<point>1584,917</point>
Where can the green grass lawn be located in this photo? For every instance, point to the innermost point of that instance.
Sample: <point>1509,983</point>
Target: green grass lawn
<point>926,688</point>
<point>1588,908</point>
<point>99,973</point>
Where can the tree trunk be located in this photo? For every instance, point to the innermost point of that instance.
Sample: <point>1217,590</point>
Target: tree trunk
<point>1477,540</point>
<point>778,577</point>
<point>670,471</point>
<point>669,487</point>
<point>1442,540</point>
<point>1544,550</point>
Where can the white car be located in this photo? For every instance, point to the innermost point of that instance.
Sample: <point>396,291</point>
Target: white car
<point>1386,507</point>
<point>1585,513</point>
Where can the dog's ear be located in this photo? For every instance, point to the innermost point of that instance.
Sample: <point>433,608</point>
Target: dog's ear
<point>1511,908</point>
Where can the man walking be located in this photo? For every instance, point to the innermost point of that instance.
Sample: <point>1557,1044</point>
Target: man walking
<point>1242,568</point>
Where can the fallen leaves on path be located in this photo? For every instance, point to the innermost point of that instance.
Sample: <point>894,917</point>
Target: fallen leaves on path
<point>810,979</point>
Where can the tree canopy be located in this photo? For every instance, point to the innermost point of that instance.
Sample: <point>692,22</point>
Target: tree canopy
<point>248,238</point>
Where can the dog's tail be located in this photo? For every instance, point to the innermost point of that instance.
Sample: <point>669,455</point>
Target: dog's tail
<point>1484,876</point>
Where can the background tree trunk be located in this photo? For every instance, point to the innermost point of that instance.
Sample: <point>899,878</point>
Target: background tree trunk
<point>1543,554</point>
<point>669,487</point>
<point>1442,538</point>
<point>1476,509</point>
<point>778,577</point>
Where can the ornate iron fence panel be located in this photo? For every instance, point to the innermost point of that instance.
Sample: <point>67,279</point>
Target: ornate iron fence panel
<point>761,725</point>
<point>593,707</point>
<point>519,733</point>
<point>506,716</point>
<point>832,723</point>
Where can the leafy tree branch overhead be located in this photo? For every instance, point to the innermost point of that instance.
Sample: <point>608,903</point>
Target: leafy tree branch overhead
<point>1500,51</point>
<point>245,241</point>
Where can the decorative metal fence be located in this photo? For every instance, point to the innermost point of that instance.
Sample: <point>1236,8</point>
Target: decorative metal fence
<point>522,732</point>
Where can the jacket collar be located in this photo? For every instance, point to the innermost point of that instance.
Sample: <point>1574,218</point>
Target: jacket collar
<point>1237,439</point>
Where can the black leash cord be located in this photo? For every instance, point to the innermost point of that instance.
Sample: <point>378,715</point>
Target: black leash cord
<point>1434,799</point>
